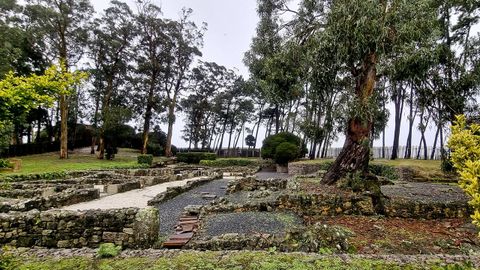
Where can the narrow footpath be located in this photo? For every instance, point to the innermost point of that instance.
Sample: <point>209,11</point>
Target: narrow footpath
<point>134,198</point>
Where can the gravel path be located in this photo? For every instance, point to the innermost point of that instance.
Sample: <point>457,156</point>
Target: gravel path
<point>425,192</point>
<point>171,210</point>
<point>250,223</point>
<point>134,198</point>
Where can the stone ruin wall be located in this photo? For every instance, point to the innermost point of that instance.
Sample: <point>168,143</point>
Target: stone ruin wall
<point>129,228</point>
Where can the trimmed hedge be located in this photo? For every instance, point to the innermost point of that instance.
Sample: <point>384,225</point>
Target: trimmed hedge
<point>195,157</point>
<point>145,159</point>
<point>230,162</point>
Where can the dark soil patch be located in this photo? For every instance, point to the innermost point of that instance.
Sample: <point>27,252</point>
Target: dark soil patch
<point>377,235</point>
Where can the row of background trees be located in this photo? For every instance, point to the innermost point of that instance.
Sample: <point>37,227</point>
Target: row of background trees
<point>318,69</point>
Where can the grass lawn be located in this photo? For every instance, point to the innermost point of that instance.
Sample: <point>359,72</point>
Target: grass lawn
<point>214,260</point>
<point>77,161</point>
<point>429,169</point>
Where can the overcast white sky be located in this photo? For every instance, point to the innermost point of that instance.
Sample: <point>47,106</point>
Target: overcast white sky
<point>231,26</point>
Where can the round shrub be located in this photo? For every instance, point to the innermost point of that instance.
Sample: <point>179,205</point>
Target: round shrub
<point>154,149</point>
<point>271,143</point>
<point>286,152</point>
<point>145,159</point>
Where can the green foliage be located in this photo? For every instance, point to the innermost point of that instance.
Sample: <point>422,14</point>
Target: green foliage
<point>286,152</point>
<point>239,260</point>
<point>4,163</point>
<point>229,162</point>
<point>22,94</point>
<point>271,143</point>
<point>7,260</point>
<point>387,171</point>
<point>108,250</point>
<point>195,157</point>
<point>465,154</point>
<point>155,149</point>
<point>145,159</point>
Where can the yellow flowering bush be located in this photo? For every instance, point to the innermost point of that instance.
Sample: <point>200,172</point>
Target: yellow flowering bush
<point>464,144</point>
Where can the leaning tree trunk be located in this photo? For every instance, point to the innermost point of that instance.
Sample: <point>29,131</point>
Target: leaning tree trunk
<point>356,152</point>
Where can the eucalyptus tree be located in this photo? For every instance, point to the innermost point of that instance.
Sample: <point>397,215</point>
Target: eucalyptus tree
<point>207,80</point>
<point>457,76</point>
<point>365,33</point>
<point>63,24</point>
<point>155,48</point>
<point>265,45</point>
<point>111,52</point>
<point>187,40</point>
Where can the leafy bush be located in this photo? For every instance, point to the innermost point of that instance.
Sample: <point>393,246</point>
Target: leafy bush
<point>4,163</point>
<point>145,159</point>
<point>465,154</point>
<point>108,250</point>
<point>229,162</point>
<point>387,171</point>
<point>271,143</point>
<point>155,149</point>
<point>195,157</point>
<point>286,152</point>
<point>7,259</point>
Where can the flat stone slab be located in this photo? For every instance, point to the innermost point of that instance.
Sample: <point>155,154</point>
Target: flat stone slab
<point>270,175</point>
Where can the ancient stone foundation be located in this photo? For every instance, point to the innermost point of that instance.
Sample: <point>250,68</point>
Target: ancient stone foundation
<point>129,228</point>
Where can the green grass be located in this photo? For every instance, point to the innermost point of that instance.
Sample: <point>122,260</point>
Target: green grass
<point>213,260</point>
<point>428,167</point>
<point>78,161</point>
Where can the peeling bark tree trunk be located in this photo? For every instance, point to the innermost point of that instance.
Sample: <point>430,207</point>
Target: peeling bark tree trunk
<point>356,152</point>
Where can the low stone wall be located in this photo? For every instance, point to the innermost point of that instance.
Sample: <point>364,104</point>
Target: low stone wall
<point>296,168</point>
<point>427,210</point>
<point>252,183</point>
<point>129,228</point>
<point>328,204</point>
<point>172,192</point>
<point>56,200</point>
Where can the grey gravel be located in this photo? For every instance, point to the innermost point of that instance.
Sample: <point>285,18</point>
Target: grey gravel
<point>171,210</point>
<point>425,192</point>
<point>249,223</point>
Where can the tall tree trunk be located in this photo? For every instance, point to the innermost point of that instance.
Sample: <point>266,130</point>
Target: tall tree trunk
<point>258,126</point>
<point>148,116</point>
<point>277,119</point>
<point>411,118</point>
<point>398,99</point>
<point>435,141</point>
<point>356,153</point>
<point>171,115</point>
<point>105,109</point>
<point>63,127</point>
<point>95,125</point>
